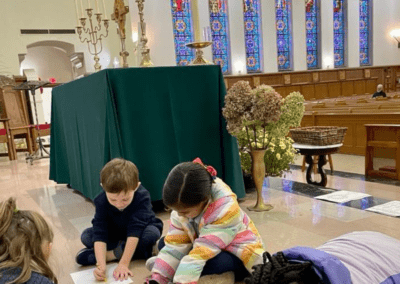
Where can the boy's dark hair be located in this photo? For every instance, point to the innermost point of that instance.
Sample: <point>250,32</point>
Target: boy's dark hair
<point>188,184</point>
<point>279,271</point>
<point>119,175</point>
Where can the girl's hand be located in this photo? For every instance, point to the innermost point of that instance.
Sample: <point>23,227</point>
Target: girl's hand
<point>122,272</point>
<point>100,273</point>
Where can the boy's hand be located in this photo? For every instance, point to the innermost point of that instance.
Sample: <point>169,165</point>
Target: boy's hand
<point>100,273</point>
<point>122,272</point>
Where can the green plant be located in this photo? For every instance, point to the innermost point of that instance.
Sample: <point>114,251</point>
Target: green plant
<point>261,119</point>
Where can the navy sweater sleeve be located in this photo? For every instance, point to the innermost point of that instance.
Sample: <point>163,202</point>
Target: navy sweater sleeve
<point>100,228</point>
<point>142,215</point>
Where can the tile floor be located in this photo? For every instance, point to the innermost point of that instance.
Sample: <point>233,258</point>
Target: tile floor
<point>297,219</point>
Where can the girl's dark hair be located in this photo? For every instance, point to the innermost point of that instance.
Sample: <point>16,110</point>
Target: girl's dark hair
<point>279,270</point>
<point>188,184</point>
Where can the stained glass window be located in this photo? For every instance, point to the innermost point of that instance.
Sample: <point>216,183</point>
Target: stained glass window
<point>283,13</point>
<point>253,35</point>
<point>313,34</point>
<point>183,31</point>
<point>340,32</point>
<point>365,32</point>
<point>220,34</point>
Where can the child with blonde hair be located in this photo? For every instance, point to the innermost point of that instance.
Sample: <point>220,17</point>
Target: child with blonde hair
<point>25,245</point>
<point>209,233</point>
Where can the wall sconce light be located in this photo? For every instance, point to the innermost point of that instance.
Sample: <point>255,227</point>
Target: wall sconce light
<point>396,35</point>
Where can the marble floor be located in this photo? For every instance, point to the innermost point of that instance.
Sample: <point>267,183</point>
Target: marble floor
<point>297,218</point>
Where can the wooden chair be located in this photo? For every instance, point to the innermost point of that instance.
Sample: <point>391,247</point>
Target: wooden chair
<point>5,137</point>
<point>16,110</point>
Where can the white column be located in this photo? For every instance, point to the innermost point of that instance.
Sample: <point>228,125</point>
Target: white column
<point>269,36</point>
<point>299,35</point>
<point>353,14</point>
<point>327,59</point>
<point>236,28</point>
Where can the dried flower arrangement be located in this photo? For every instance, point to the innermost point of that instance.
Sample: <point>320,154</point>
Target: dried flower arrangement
<point>260,119</point>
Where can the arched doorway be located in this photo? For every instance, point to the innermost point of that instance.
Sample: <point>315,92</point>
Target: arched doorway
<point>56,59</point>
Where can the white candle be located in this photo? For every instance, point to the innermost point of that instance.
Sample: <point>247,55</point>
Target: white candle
<point>196,20</point>
<point>97,6</point>
<point>105,11</point>
<point>77,12</point>
<point>88,2</point>
<point>82,10</point>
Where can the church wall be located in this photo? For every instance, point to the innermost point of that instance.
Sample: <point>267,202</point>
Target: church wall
<point>385,51</point>
<point>61,15</point>
<point>43,14</point>
<point>386,18</point>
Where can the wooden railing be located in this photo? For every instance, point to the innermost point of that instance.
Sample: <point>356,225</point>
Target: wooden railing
<point>320,84</point>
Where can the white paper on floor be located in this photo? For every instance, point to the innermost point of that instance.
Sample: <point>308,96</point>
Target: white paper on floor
<point>342,196</point>
<point>391,208</point>
<point>87,277</point>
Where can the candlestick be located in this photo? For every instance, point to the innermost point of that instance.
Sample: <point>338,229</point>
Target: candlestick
<point>97,6</point>
<point>90,34</point>
<point>146,61</point>
<point>77,12</point>
<point>105,11</point>
<point>81,9</point>
<point>196,22</point>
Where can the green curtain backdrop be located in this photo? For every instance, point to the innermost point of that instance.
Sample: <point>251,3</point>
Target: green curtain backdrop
<point>155,117</point>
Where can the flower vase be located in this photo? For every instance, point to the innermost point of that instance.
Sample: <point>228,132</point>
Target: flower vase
<point>258,173</point>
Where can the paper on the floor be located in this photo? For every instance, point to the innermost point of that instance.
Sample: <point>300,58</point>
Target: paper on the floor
<point>342,196</point>
<point>86,276</point>
<point>391,208</point>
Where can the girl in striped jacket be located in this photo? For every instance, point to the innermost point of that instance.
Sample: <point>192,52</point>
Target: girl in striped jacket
<point>209,233</point>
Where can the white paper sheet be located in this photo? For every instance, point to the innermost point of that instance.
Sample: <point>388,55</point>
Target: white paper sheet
<point>391,208</point>
<point>342,196</point>
<point>87,277</point>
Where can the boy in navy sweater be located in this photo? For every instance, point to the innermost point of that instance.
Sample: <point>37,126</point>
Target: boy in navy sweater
<point>124,226</point>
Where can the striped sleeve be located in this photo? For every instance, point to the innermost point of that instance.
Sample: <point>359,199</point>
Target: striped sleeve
<point>177,245</point>
<point>222,221</point>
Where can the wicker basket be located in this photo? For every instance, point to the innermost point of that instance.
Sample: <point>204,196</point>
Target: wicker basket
<point>319,135</point>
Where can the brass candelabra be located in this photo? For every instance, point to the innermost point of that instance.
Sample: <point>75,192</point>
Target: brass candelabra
<point>93,35</point>
<point>146,61</point>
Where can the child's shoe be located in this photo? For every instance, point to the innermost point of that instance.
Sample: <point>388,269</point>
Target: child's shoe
<point>150,263</point>
<point>86,257</point>
<point>224,278</point>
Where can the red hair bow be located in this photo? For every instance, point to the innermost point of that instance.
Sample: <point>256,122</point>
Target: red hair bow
<point>209,169</point>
